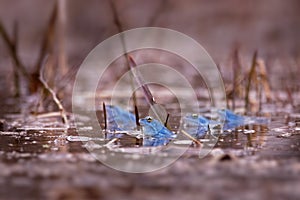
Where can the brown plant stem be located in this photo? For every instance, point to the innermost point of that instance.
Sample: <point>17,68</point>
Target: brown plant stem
<point>105,116</point>
<point>250,77</point>
<point>190,137</point>
<point>12,47</point>
<point>53,94</point>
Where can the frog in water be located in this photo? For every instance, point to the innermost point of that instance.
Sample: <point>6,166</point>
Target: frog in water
<point>198,125</point>
<point>155,133</point>
<point>233,120</point>
<point>119,119</point>
<point>153,128</point>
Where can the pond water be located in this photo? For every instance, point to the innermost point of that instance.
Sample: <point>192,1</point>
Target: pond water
<point>39,158</point>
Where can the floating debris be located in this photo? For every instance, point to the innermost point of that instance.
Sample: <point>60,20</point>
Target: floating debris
<point>83,139</point>
<point>92,145</point>
<point>285,135</point>
<point>34,128</point>
<point>183,142</point>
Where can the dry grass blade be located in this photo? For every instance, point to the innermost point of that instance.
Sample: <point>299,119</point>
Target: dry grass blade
<point>236,76</point>
<point>264,79</point>
<point>148,95</point>
<point>53,94</point>
<point>190,137</point>
<point>47,42</point>
<point>62,18</point>
<point>156,109</point>
<point>12,47</point>
<point>250,77</point>
<point>134,75</point>
<point>120,29</point>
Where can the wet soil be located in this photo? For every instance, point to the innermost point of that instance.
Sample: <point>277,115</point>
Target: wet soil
<point>39,159</point>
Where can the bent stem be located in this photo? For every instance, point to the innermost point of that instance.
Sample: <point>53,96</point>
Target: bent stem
<point>54,96</point>
<point>190,137</point>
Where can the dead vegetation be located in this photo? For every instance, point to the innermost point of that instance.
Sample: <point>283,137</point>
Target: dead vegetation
<point>43,77</point>
<point>250,82</point>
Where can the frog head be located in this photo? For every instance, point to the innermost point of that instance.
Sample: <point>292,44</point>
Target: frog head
<point>150,126</point>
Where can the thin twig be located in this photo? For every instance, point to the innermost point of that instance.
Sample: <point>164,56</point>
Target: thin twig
<point>167,119</point>
<point>148,95</point>
<point>131,67</point>
<point>190,137</point>
<point>105,117</point>
<point>118,24</point>
<point>137,122</point>
<point>54,96</point>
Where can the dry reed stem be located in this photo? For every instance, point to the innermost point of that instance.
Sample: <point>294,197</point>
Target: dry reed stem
<point>190,137</point>
<point>105,116</point>
<point>130,66</point>
<point>53,94</point>
<point>250,77</point>
<point>118,24</point>
<point>48,39</point>
<point>62,18</point>
<point>236,64</point>
<point>264,79</point>
<point>167,119</point>
<point>12,47</point>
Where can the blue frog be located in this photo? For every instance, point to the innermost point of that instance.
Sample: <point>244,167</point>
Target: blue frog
<point>119,119</point>
<point>231,120</point>
<point>198,125</point>
<point>153,128</point>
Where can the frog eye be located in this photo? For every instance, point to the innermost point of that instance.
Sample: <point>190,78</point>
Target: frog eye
<point>194,116</point>
<point>149,119</point>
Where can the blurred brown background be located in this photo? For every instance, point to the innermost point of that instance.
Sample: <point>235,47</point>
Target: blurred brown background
<point>271,26</point>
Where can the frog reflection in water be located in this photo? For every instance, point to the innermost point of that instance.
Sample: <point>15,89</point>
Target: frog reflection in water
<point>155,133</point>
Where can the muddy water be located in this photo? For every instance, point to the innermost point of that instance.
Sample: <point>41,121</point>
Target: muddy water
<point>40,159</point>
